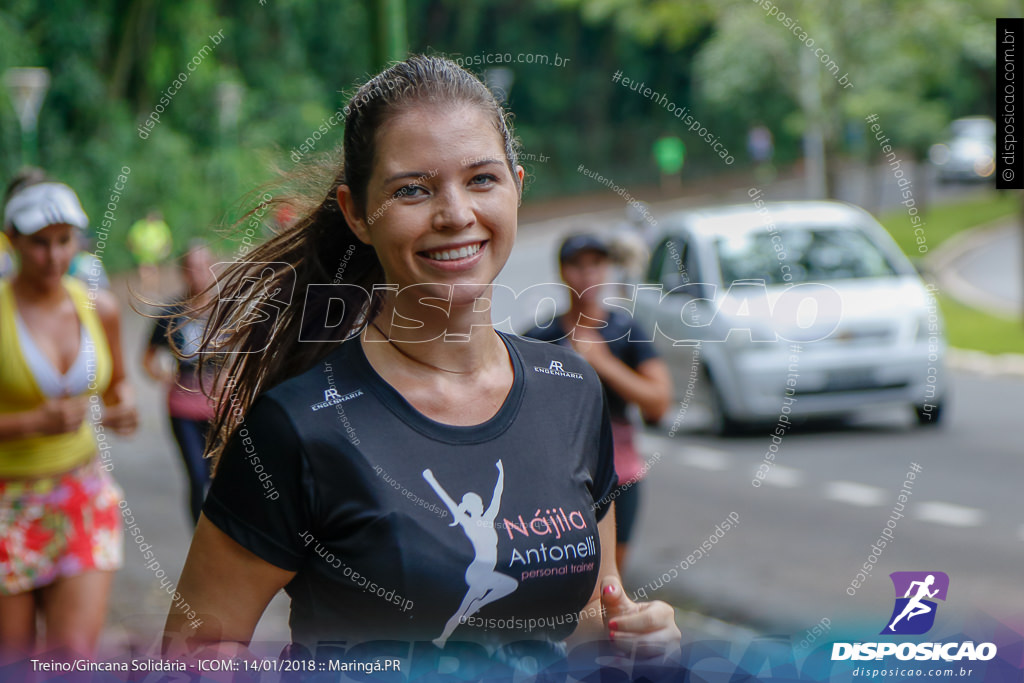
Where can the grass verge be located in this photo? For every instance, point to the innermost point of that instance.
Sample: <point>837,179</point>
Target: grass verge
<point>945,220</point>
<point>969,328</point>
<point>966,327</point>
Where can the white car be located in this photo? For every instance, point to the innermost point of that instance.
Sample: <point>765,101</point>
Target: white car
<point>791,309</point>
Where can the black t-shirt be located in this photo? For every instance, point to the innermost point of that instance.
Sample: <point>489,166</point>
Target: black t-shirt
<point>617,330</point>
<point>335,476</point>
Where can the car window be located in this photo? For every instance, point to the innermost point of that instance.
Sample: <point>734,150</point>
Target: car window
<point>977,129</point>
<point>671,264</point>
<point>804,253</point>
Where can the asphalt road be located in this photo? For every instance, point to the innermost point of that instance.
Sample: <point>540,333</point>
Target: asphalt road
<point>805,533</point>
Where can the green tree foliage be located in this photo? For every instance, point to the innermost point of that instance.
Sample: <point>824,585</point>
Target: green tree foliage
<point>917,65</point>
<point>914,66</point>
<point>112,63</point>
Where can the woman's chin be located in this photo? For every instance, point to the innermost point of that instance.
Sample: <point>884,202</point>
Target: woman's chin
<point>452,294</point>
<point>466,294</point>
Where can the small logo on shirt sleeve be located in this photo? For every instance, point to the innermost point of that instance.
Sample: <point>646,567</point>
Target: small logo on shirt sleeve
<point>558,369</point>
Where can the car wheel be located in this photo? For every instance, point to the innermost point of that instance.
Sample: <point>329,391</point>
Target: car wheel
<point>722,422</point>
<point>929,418</point>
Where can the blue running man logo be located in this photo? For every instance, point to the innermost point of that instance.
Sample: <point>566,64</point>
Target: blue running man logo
<point>916,589</point>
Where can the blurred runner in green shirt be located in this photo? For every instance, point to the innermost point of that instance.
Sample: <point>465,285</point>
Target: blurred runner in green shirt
<point>150,242</point>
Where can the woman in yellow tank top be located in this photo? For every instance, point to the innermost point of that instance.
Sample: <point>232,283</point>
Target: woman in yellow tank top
<point>62,384</point>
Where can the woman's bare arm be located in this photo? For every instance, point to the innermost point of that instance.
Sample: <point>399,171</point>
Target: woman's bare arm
<point>120,412</point>
<point>649,386</point>
<point>227,587</point>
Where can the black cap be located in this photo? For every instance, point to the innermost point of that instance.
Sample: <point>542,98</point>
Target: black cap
<point>579,243</point>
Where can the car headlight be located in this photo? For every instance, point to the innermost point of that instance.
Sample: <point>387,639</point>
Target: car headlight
<point>928,327</point>
<point>985,167</point>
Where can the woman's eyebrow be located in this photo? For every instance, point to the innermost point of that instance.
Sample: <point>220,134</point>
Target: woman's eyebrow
<point>474,163</point>
<point>407,174</point>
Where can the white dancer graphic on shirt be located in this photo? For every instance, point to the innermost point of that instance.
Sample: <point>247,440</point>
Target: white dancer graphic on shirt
<point>485,584</point>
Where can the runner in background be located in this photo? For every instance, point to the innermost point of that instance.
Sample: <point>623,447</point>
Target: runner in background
<point>84,265</point>
<point>150,243</point>
<point>630,371</point>
<point>177,333</point>
<point>28,175</point>
<point>60,525</point>
<point>761,147</point>
<point>630,245</point>
<point>88,267</point>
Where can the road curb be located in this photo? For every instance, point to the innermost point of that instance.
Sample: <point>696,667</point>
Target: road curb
<point>940,261</point>
<point>987,364</point>
<point>938,264</point>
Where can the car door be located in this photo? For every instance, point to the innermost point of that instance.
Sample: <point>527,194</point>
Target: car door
<point>673,300</point>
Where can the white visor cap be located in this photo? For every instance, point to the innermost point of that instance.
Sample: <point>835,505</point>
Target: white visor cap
<point>37,206</point>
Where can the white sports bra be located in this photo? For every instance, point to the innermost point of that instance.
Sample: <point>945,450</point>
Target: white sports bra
<point>53,384</point>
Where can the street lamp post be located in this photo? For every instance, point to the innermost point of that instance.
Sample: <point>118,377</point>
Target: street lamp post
<point>27,86</point>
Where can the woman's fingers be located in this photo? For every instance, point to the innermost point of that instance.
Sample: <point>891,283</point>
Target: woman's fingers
<point>649,618</point>
<point>614,602</point>
<point>650,631</point>
<point>648,645</point>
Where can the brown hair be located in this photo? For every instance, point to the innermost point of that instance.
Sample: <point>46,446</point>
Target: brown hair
<point>256,320</point>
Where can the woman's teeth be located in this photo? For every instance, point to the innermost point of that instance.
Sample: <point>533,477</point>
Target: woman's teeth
<point>452,254</point>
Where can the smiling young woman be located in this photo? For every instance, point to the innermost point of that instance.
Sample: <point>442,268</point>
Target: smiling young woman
<point>403,470</point>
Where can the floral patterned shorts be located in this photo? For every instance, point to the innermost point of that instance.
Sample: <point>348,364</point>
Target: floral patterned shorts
<point>59,526</point>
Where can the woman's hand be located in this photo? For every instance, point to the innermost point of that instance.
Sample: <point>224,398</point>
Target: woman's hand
<point>62,415</point>
<point>122,417</point>
<point>649,385</point>
<point>589,343</point>
<point>647,629</point>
